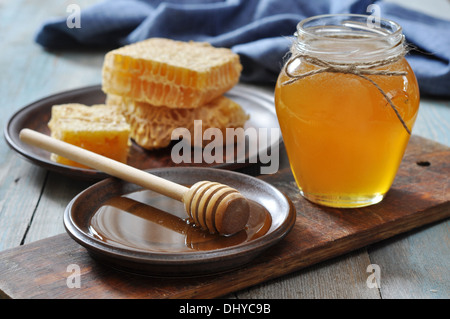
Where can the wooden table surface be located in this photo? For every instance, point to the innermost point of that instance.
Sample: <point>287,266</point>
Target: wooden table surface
<point>32,200</point>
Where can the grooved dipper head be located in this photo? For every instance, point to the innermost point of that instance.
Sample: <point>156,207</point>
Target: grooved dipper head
<point>217,208</point>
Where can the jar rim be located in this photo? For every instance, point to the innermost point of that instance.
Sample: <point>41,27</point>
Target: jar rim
<point>351,35</point>
<point>397,29</point>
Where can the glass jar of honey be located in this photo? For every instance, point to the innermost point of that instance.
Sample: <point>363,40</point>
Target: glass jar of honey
<point>346,102</point>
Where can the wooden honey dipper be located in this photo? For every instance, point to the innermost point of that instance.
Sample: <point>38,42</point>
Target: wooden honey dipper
<point>214,207</point>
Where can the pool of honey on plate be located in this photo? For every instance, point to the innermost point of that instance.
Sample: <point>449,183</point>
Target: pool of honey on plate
<point>147,221</point>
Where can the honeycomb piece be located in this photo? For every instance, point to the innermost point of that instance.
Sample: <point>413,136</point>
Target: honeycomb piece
<point>152,126</point>
<point>175,74</point>
<point>99,128</point>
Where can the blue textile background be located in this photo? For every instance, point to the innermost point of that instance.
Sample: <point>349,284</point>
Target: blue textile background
<point>258,30</point>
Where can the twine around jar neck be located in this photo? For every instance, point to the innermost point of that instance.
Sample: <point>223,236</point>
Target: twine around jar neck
<point>360,69</point>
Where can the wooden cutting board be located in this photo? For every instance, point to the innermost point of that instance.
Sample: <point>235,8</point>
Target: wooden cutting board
<point>420,195</point>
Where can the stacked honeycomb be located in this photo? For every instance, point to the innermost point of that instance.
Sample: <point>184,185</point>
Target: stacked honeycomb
<point>169,73</point>
<point>153,87</point>
<point>162,84</point>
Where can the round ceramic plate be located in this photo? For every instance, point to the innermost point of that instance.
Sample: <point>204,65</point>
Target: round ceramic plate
<point>139,231</point>
<point>36,115</point>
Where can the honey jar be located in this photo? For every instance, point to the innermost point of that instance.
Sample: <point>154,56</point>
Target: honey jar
<point>346,102</point>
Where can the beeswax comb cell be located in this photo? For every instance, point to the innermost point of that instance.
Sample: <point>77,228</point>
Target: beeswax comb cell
<point>176,74</point>
<point>152,126</point>
<point>99,128</point>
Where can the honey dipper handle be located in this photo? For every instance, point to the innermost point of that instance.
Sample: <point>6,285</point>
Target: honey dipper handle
<point>104,164</point>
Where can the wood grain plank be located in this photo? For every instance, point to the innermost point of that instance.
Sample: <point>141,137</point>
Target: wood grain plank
<point>433,121</point>
<point>415,264</point>
<point>346,274</point>
<point>39,269</point>
<point>48,217</point>
<point>29,73</point>
<point>19,195</point>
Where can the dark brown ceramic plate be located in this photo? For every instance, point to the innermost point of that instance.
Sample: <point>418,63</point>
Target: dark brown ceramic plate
<point>36,116</point>
<point>150,237</point>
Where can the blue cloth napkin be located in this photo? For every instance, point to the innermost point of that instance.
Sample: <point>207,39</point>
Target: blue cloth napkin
<point>258,30</point>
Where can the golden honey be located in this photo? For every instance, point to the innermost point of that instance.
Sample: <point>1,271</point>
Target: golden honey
<point>143,220</point>
<point>99,128</point>
<point>343,137</point>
